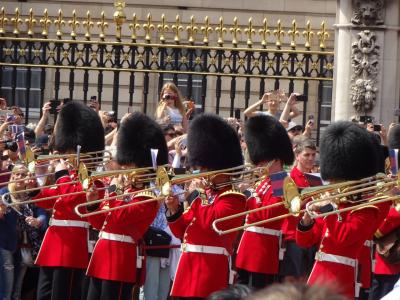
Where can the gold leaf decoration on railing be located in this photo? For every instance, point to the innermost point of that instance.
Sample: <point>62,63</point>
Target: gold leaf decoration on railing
<point>176,28</point>
<point>239,34</point>
<point>133,27</point>
<point>162,28</point>
<point>279,33</point>
<point>16,21</point>
<point>221,31</point>
<point>235,30</point>
<point>148,27</point>
<point>250,31</point>
<point>30,22</point>
<point>206,30</point>
<point>323,35</point>
<point>3,21</point>
<point>264,32</point>
<point>45,22</point>
<point>191,30</point>
<point>308,34</point>
<point>88,24</point>
<point>74,24</point>
<point>59,22</point>
<point>103,25</point>
<point>293,32</point>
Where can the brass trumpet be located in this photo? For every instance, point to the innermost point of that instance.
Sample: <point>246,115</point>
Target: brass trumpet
<point>163,184</point>
<point>294,200</point>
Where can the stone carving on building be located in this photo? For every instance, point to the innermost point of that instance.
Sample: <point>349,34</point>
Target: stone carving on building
<point>368,12</point>
<point>364,60</point>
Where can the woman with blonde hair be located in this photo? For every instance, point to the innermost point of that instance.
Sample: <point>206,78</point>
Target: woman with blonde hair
<point>22,228</point>
<point>170,109</point>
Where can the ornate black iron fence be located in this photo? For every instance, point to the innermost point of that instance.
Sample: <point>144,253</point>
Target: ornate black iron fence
<point>36,46</point>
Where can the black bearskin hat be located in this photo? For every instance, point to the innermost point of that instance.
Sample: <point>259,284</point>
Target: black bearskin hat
<point>267,140</point>
<point>349,152</point>
<point>78,124</point>
<point>136,136</point>
<point>213,144</point>
<point>394,137</point>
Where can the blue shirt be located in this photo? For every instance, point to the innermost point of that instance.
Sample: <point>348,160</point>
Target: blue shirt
<point>8,227</point>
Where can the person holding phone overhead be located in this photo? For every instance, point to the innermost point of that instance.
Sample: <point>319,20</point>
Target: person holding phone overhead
<point>170,109</point>
<point>273,99</point>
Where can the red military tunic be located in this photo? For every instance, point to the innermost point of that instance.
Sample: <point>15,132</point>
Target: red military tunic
<point>116,260</point>
<point>64,246</point>
<point>365,254</point>
<point>200,274</point>
<point>290,223</point>
<point>391,222</point>
<point>258,252</point>
<point>343,238</point>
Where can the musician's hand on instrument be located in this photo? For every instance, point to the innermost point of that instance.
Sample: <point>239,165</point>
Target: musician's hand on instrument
<point>196,184</point>
<point>172,203</point>
<point>61,165</point>
<point>92,194</point>
<point>306,220</point>
<point>33,222</point>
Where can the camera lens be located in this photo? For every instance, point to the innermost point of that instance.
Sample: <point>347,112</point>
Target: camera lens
<point>167,97</point>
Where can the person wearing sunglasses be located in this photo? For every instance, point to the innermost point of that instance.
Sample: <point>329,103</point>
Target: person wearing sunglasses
<point>170,109</point>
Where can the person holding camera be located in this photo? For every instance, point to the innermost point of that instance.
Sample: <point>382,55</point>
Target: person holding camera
<point>170,109</point>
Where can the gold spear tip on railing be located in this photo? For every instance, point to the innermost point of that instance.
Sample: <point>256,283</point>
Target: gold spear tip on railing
<point>250,31</point>
<point>148,27</point>
<point>264,32</point>
<point>308,34</point>
<point>221,30</point>
<point>176,28</point>
<point>206,29</point>
<point>59,22</point>
<point>191,30</point>
<point>46,22</point>
<point>162,28</point>
<point>102,24</point>
<point>74,23</point>
<point>323,35</point>
<point>16,21</point>
<point>235,30</point>
<point>293,32</point>
<point>279,33</point>
<point>30,22</point>
<point>88,24</point>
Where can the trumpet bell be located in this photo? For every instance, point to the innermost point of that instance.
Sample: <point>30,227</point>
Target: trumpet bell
<point>291,196</point>
<point>163,182</point>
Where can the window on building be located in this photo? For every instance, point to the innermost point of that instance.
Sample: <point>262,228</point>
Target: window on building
<point>326,104</point>
<point>21,87</point>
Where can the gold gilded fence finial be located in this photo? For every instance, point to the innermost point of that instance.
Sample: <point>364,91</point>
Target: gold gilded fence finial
<point>46,22</point>
<point>323,35</point>
<point>148,27</point>
<point>221,30</point>
<point>3,21</point>
<point>191,30</point>
<point>133,27</point>
<point>279,33</point>
<point>30,22</point>
<point>308,34</point>
<point>88,24</point>
<point>176,28</point>
<point>206,29</point>
<point>250,31</point>
<point>162,28</point>
<point>293,33</point>
<point>235,30</point>
<point>74,23</point>
<point>264,32</point>
<point>59,22</point>
<point>16,21</point>
<point>102,24</point>
<point>119,17</point>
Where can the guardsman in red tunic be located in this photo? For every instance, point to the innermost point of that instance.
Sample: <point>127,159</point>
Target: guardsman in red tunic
<point>385,274</point>
<point>63,256</point>
<point>260,250</point>
<point>297,262</point>
<point>204,264</point>
<point>348,152</point>
<point>112,268</point>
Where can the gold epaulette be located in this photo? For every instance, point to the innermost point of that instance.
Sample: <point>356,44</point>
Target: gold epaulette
<point>145,194</point>
<point>360,208</point>
<point>232,192</point>
<point>378,234</point>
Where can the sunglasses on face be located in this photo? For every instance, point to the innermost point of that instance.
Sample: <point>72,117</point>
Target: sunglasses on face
<point>169,97</point>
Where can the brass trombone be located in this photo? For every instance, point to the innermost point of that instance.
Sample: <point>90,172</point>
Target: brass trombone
<point>339,192</point>
<point>163,184</point>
